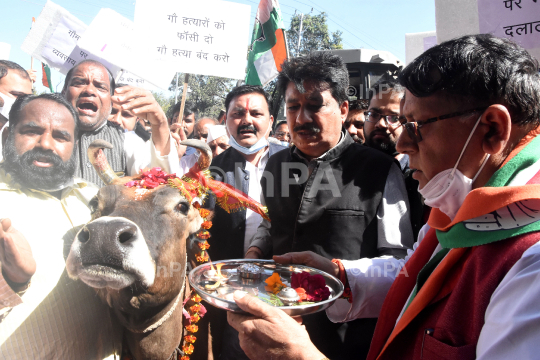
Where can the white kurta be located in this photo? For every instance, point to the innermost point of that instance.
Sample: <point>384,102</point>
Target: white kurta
<point>59,318</point>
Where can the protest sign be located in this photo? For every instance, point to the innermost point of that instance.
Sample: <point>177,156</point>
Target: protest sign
<point>200,37</point>
<point>517,20</point>
<point>54,40</point>
<point>117,40</point>
<point>417,43</point>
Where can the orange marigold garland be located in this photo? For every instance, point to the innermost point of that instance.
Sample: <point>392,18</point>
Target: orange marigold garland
<point>195,313</point>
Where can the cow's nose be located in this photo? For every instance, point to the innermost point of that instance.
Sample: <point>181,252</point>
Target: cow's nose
<point>107,241</point>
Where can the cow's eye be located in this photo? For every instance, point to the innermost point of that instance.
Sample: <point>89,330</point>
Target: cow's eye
<point>182,207</point>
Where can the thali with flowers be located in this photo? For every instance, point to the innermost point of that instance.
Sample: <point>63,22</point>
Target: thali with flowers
<point>296,289</point>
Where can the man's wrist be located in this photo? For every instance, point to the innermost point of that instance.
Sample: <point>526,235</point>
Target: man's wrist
<point>255,251</point>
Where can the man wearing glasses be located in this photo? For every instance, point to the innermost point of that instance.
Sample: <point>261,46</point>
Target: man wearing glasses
<point>470,288</point>
<point>382,127</point>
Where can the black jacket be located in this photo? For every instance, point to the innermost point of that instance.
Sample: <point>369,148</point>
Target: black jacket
<point>228,230</point>
<point>339,220</point>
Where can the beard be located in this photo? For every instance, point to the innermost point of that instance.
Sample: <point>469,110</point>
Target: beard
<point>386,146</point>
<point>24,172</point>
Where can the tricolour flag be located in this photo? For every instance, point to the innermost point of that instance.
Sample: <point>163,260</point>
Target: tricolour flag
<point>46,76</point>
<point>268,47</point>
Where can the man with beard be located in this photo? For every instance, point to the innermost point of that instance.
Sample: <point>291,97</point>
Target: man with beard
<point>56,318</point>
<point>242,165</point>
<point>382,127</point>
<point>382,130</point>
<point>89,87</point>
<point>329,194</point>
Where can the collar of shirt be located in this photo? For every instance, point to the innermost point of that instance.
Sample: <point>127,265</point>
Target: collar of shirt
<point>333,152</point>
<point>9,184</point>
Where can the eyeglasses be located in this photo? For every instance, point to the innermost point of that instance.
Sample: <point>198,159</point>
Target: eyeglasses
<point>373,117</point>
<point>357,124</point>
<point>413,127</point>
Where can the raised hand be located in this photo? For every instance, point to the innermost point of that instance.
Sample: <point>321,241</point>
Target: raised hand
<point>18,264</point>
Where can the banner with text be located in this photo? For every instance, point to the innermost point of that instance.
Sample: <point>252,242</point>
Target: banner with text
<point>207,37</point>
<point>120,42</point>
<point>54,39</point>
<point>517,20</point>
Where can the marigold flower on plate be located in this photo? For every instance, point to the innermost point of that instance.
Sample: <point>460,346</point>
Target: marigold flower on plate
<point>274,283</point>
<point>188,349</point>
<point>190,338</point>
<point>192,328</point>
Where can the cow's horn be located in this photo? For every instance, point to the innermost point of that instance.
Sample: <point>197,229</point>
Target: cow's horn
<point>99,160</point>
<point>205,159</point>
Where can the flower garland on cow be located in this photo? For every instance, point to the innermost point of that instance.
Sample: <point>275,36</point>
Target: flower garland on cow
<point>195,186</point>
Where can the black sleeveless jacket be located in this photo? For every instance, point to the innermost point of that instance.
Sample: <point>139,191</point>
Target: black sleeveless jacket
<point>333,213</point>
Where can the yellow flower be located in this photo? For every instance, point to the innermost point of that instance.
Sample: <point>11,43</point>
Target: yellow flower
<point>274,283</point>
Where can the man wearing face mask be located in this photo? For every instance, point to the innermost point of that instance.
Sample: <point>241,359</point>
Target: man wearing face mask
<point>469,290</point>
<point>242,165</point>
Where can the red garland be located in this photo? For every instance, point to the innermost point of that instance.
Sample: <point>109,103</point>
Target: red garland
<point>151,179</point>
<point>347,294</point>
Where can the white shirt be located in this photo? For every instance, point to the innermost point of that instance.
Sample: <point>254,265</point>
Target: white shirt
<point>512,319</point>
<point>394,205</point>
<point>253,220</point>
<point>58,318</point>
<point>141,154</point>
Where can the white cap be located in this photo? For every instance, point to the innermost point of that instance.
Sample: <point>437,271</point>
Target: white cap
<point>215,132</point>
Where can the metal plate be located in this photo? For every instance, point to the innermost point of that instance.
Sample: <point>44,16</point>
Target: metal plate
<point>224,301</point>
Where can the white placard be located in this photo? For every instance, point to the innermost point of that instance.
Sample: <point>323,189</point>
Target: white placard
<point>118,41</point>
<point>465,17</point>
<point>62,45</point>
<point>5,48</point>
<point>54,39</point>
<point>199,37</point>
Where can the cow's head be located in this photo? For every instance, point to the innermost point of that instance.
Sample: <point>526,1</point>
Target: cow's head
<point>134,248</point>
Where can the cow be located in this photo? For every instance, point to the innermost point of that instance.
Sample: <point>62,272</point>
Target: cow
<point>134,252</point>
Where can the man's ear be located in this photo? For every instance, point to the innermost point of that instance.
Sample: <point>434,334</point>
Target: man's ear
<point>344,108</point>
<point>499,127</point>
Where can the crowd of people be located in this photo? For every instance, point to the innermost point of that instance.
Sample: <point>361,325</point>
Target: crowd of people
<point>423,198</point>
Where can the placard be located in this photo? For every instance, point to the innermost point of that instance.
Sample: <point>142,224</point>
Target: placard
<point>198,37</point>
<point>517,20</point>
<point>54,40</point>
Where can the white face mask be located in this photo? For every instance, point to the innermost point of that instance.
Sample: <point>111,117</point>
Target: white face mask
<point>447,190</point>
<point>260,144</point>
<point>8,103</point>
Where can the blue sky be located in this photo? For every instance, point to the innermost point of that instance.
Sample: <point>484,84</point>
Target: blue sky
<point>372,24</point>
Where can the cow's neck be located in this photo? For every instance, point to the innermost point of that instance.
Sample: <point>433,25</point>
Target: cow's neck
<point>158,336</point>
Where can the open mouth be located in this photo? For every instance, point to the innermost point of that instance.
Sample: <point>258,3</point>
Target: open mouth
<point>43,162</point>
<point>87,107</point>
